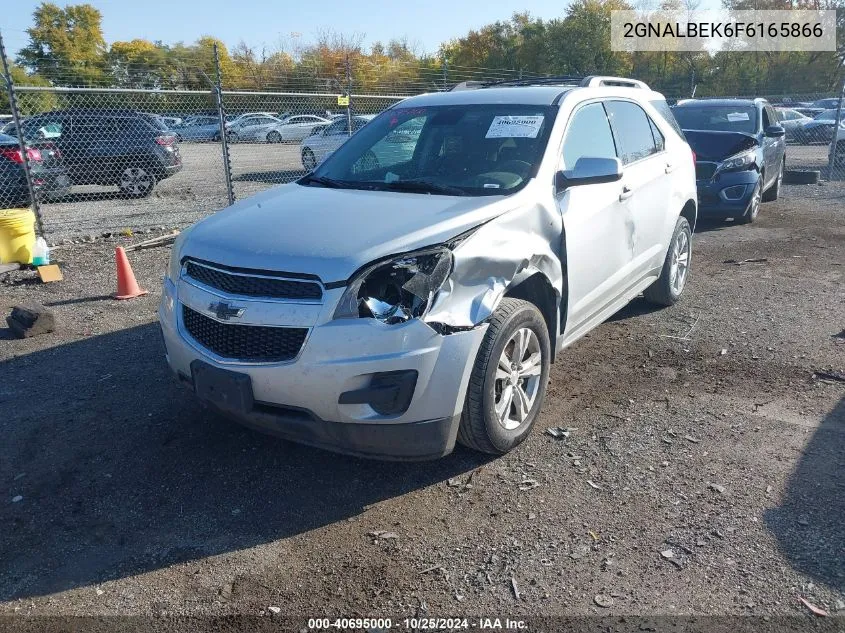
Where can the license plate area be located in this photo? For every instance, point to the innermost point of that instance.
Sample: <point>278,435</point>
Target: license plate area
<point>224,389</point>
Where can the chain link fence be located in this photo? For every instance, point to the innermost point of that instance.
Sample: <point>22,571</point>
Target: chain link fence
<point>106,159</point>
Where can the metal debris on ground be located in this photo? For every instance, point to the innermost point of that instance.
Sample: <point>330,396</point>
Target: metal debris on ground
<point>274,610</point>
<point>528,484</point>
<point>753,260</point>
<point>816,610</point>
<point>515,588</point>
<point>594,485</point>
<point>381,534</point>
<point>428,570</point>
<point>689,438</point>
<point>716,487</point>
<point>559,431</point>
<point>829,376</point>
<point>603,600</point>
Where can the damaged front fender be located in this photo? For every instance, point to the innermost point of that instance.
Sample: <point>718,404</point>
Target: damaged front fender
<point>497,255</point>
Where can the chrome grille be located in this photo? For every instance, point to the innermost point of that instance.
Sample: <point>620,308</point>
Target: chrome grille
<point>254,343</point>
<point>253,285</point>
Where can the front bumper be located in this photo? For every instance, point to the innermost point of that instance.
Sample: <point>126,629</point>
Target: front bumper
<point>717,198</point>
<point>302,401</point>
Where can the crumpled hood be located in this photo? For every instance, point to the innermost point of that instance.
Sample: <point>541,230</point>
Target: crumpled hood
<point>718,145</point>
<point>331,233</point>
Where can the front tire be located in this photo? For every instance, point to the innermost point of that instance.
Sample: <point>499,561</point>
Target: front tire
<point>508,381</point>
<point>771,194</point>
<point>673,276</point>
<point>274,137</point>
<point>753,209</point>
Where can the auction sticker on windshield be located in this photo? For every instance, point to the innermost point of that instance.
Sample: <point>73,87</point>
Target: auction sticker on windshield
<point>515,126</point>
<point>733,117</point>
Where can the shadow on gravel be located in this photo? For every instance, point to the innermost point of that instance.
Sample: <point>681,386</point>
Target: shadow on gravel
<point>271,177</point>
<point>637,307</point>
<point>810,523</point>
<point>121,472</point>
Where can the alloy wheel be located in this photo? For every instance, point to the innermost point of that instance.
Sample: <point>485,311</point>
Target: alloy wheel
<point>136,181</point>
<point>679,266</point>
<point>517,380</point>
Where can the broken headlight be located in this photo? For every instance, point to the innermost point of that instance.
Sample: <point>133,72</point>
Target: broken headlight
<point>397,290</point>
<point>738,162</point>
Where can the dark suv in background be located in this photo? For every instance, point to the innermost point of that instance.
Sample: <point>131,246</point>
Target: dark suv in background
<point>124,148</point>
<point>740,154</point>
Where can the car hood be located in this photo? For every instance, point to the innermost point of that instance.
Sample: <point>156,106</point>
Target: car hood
<point>709,145</point>
<point>332,233</point>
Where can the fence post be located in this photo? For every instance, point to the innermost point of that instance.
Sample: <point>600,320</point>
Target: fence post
<point>348,95</point>
<point>16,116</point>
<point>831,157</point>
<point>224,141</point>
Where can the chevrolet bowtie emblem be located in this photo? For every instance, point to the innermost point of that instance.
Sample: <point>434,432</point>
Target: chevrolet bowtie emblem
<point>224,311</point>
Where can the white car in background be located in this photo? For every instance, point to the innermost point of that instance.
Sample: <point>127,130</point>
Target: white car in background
<point>296,128</point>
<point>252,127</point>
<point>316,147</point>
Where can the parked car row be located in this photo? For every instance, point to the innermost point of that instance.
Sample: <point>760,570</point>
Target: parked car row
<point>255,127</point>
<point>123,148</point>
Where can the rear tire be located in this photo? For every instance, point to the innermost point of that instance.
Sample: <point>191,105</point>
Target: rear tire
<point>675,272</point>
<point>136,182</point>
<point>309,161</point>
<point>508,381</point>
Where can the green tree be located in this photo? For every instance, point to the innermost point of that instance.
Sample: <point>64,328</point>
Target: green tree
<point>66,45</point>
<point>28,102</point>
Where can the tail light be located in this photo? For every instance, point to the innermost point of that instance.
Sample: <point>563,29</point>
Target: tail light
<point>15,155</point>
<point>694,157</point>
<point>165,140</point>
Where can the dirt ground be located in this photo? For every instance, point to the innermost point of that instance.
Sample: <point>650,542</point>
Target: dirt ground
<point>704,473</point>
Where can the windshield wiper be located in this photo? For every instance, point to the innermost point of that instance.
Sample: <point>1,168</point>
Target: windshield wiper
<point>421,186</point>
<point>328,182</point>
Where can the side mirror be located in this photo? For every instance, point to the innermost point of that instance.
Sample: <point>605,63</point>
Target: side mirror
<point>589,170</point>
<point>775,131</point>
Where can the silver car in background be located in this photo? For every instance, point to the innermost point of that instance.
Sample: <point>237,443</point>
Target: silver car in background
<point>316,147</point>
<point>296,128</point>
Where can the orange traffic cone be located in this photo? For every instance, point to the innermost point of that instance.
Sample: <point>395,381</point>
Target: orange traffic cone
<point>127,287</point>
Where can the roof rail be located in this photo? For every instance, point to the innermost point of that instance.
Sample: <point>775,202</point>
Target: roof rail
<point>597,81</point>
<point>560,80</point>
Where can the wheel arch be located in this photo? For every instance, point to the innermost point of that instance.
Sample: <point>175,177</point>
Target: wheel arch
<point>690,212</point>
<point>537,289</point>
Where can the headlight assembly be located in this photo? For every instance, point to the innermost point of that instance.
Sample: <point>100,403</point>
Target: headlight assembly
<point>739,161</point>
<point>397,290</point>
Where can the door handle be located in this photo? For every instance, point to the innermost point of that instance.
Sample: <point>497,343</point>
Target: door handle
<point>627,192</point>
<point>669,168</point>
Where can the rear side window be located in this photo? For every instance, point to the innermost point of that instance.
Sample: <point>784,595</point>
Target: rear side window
<point>588,134</point>
<point>632,131</point>
<point>665,111</point>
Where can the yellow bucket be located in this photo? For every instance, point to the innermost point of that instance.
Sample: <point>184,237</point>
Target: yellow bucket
<point>17,236</point>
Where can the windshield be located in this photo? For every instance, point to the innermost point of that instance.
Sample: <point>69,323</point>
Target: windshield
<point>468,150</point>
<point>721,118</point>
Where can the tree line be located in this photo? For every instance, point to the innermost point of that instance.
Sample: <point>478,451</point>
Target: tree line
<point>67,47</point>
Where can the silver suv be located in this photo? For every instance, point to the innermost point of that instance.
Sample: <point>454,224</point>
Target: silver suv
<point>414,288</point>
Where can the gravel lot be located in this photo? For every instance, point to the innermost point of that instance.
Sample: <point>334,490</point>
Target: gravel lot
<point>704,473</point>
<point>200,188</point>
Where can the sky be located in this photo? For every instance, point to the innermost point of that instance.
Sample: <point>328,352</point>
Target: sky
<point>259,22</point>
